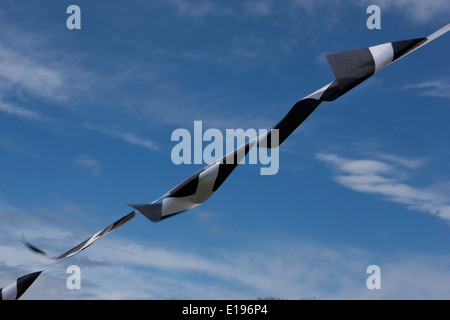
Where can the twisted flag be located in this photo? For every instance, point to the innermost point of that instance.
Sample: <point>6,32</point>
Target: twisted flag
<point>350,69</point>
<point>18,287</point>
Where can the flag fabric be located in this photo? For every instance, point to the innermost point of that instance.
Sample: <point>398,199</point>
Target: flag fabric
<point>15,290</point>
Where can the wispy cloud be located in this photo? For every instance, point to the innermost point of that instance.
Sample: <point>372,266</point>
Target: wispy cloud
<point>311,5</point>
<point>12,145</point>
<point>60,86</point>
<point>432,88</point>
<point>415,163</point>
<point>88,162</point>
<point>415,11</point>
<point>382,178</point>
<point>197,8</point>
<point>22,112</point>
<point>30,71</point>
<point>248,47</point>
<point>209,220</point>
<point>31,67</point>
<point>128,137</point>
<point>133,139</point>
<point>125,268</point>
<point>24,72</point>
<point>265,48</point>
<point>259,8</point>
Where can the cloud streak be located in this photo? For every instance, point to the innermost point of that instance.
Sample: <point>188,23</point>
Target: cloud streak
<point>259,8</point>
<point>381,178</point>
<point>194,9</point>
<point>88,162</point>
<point>23,113</point>
<point>433,88</point>
<point>21,72</point>
<point>416,11</point>
<point>125,268</point>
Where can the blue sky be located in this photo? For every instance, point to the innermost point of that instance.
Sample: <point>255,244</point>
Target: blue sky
<point>86,118</point>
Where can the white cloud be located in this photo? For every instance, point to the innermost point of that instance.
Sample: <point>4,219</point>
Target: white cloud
<point>364,166</point>
<point>34,71</point>
<point>416,11</point>
<point>13,146</point>
<point>406,162</point>
<point>434,88</point>
<point>248,47</point>
<point>133,139</point>
<point>119,268</point>
<point>23,72</point>
<point>311,5</point>
<point>377,177</point>
<point>194,8</point>
<point>21,112</point>
<point>124,268</point>
<point>88,162</point>
<point>125,136</point>
<point>259,7</point>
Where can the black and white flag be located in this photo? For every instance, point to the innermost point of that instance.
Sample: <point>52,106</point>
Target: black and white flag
<point>16,289</point>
